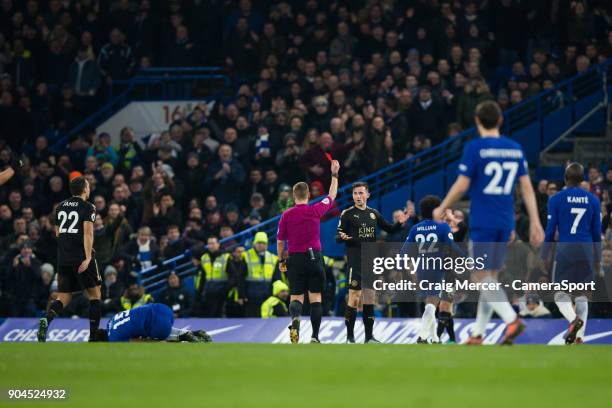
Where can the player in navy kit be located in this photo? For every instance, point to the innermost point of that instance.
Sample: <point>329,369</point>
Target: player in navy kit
<point>148,322</point>
<point>430,239</point>
<point>77,269</point>
<point>488,170</point>
<point>575,215</point>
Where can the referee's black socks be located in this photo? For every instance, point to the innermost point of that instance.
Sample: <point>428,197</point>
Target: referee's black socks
<point>94,317</point>
<point>55,308</point>
<point>350,314</point>
<point>295,309</point>
<point>316,311</point>
<point>368,321</point>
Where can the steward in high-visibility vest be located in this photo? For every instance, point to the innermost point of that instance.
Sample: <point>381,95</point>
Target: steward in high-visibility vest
<point>211,267</point>
<point>261,265</point>
<point>275,305</point>
<point>260,262</point>
<point>214,284</point>
<point>134,297</point>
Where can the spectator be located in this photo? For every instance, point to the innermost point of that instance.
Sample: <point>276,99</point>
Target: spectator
<point>23,281</point>
<point>135,296</point>
<point>143,249</point>
<point>116,60</point>
<point>225,176</point>
<point>275,305</point>
<point>85,78</point>
<point>112,289</point>
<point>176,297</point>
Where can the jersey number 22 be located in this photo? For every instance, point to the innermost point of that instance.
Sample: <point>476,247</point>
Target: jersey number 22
<point>73,217</point>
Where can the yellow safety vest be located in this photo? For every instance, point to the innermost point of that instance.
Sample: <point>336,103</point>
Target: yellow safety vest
<point>213,271</point>
<point>257,270</point>
<point>328,261</point>
<point>267,307</point>
<point>127,305</point>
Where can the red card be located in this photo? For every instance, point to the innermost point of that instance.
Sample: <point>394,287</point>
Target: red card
<point>329,157</point>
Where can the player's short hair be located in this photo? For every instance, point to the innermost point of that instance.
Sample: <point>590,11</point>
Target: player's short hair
<point>77,185</point>
<point>574,174</point>
<point>300,191</point>
<point>489,114</point>
<point>428,204</point>
<point>360,184</point>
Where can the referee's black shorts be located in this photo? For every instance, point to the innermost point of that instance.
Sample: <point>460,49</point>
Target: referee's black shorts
<point>69,280</point>
<point>304,273</point>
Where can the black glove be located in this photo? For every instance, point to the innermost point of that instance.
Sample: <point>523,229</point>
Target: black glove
<point>16,163</point>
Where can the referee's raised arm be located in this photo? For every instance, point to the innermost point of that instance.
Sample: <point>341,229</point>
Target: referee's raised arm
<point>300,227</point>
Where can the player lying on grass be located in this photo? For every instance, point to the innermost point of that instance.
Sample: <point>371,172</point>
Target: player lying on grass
<point>432,239</point>
<point>152,322</point>
<point>576,216</point>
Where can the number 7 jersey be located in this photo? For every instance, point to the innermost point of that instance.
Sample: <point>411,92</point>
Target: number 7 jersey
<point>493,164</point>
<point>69,218</point>
<point>575,214</point>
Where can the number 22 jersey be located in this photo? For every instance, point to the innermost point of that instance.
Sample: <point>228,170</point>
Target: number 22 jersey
<point>69,218</point>
<point>493,165</point>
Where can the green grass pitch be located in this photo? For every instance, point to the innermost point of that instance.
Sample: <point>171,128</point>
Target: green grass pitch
<point>265,375</point>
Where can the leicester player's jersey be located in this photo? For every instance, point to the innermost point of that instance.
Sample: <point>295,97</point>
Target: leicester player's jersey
<point>575,214</point>
<point>361,226</point>
<point>429,235</point>
<point>69,218</point>
<point>131,324</point>
<point>493,165</point>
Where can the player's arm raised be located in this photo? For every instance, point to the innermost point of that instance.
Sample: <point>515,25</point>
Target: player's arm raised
<point>88,238</point>
<point>536,233</point>
<point>333,188</point>
<point>459,188</point>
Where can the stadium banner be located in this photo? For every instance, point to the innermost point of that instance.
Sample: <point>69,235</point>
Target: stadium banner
<point>147,117</point>
<point>387,330</point>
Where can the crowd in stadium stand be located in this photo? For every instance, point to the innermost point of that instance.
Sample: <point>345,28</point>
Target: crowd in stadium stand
<point>372,82</point>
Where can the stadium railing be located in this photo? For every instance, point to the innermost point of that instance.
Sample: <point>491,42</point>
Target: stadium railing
<point>533,123</point>
<point>205,83</point>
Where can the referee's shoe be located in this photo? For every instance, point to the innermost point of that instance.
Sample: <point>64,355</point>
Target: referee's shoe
<point>294,331</point>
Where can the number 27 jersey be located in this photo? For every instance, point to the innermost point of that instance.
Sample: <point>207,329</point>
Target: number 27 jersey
<point>69,218</point>
<point>493,165</point>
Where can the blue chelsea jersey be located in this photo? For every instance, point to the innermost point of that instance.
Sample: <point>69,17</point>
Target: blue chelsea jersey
<point>576,214</point>
<point>493,165</point>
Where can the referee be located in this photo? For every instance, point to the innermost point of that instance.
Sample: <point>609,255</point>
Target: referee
<point>358,224</point>
<point>300,227</point>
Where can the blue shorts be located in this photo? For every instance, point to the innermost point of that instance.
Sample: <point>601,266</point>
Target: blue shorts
<point>574,263</point>
<point>162,320</point>
<point>490,245</point>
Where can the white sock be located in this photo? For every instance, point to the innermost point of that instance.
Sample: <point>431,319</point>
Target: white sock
<point>434,330</point>
<point>175,333</point>
<point>564,303</point>
<point>582,310</point>
<point>483,316</point>
<point>498,301</point>
<point>429,316</point>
